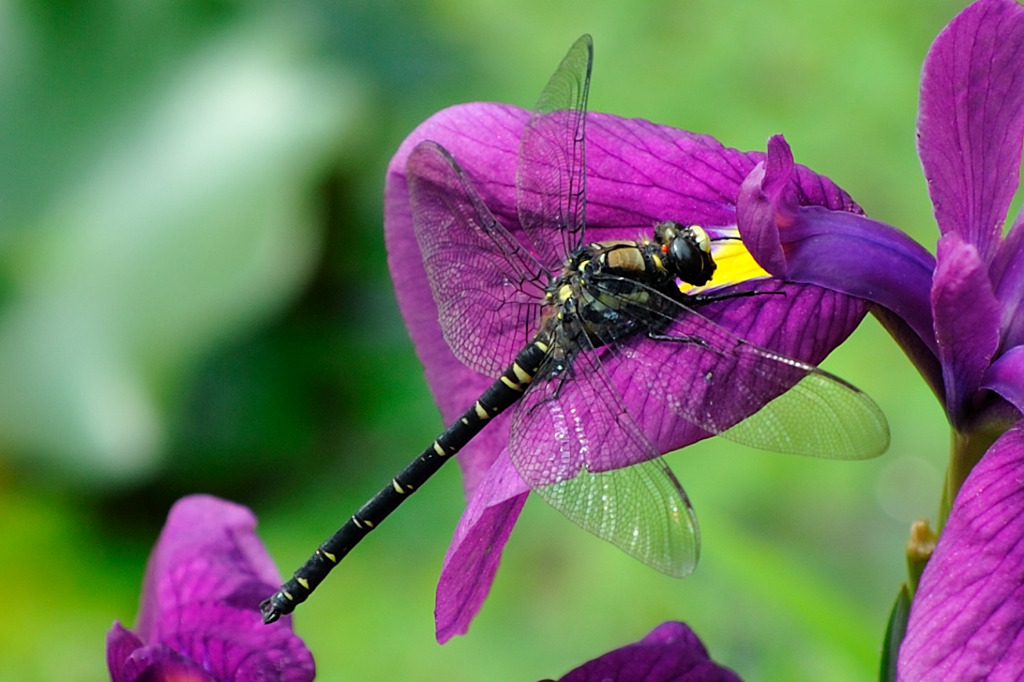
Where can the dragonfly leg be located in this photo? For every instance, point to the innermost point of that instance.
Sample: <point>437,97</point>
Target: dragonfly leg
<point>703,299</point>
<point>683,339</point>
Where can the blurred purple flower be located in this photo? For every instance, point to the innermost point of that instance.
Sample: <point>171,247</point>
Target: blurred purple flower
<point>671,652</point>
<point>638,174</point>
<point>199,618</point>
<point>958,315</point>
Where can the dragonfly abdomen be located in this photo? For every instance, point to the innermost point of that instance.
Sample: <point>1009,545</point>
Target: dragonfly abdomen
<point>498,397</point>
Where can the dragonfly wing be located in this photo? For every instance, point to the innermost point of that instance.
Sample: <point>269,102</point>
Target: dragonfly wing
<point>700,371</point>
<point>487,286</point>
<point>847,423</point>
<point>568,433</point>
<point>572,419</point>
<point>551,168</point>
<point>640,509</point>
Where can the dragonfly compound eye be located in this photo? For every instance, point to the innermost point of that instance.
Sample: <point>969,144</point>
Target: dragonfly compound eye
<point>690,256</point>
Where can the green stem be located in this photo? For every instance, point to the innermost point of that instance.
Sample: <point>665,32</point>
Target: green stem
<point>966,450</point>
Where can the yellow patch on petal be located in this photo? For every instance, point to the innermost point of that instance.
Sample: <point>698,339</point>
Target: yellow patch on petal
<point>735,265</point>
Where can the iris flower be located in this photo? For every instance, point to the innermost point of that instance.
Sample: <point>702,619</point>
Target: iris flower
<point>638,174</point>
<point>671,652</point>
<point>959,316</point>
<point>199,619</point>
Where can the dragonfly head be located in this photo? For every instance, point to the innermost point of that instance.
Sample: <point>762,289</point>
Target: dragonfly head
<point>687,251</point>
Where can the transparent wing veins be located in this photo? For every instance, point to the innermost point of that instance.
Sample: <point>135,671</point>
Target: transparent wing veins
<point>731,387</point>
<point>551,166</point>
<point>641,509</point>
<point>487,286</point>
<point>566,441</point>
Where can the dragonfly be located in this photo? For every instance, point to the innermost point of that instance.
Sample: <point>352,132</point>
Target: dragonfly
<point>549,320</point>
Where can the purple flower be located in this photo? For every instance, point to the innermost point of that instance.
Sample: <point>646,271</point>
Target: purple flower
<point>967,620</point>
<point>199,618</point>
<point>959,316</point>
<point>671,652</point>
<point>638,174</point>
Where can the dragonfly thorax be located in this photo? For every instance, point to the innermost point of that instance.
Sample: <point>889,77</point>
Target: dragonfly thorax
<point>678,252</point>
<point>612,289</point>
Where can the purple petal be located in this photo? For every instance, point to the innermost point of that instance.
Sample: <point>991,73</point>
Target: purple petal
<point>967,318</point>
<point>640,173</point>
<point>767,208</point>
<point>158,663</point>
<point>1006,377</point>
<point>971,120</point>
<point>1008,280</point>
<point>121,643</point>
<point>472,559</point>
<point>165,666</point>
<point>670,653</point>
<point>207,551</point>
<point>838,250</point>
<point>967,620</point>
<point>203,585</point>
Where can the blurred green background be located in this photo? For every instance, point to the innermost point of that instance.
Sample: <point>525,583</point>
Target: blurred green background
<point>194,297</point>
